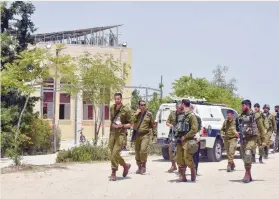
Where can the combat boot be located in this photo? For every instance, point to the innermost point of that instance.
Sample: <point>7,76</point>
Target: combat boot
<point>113,175</point>
<point>233,166</point>
<point>261,159</point>
<point>265,153</point>
<point>193,174</point>
<point>182,172</point>
<point>139,168</point>
<point>229,167</point>
<point>143,168</point>
<point>253,158</point>
<point>126,168</point>
<point>247,177</point>
<point>173,167</point>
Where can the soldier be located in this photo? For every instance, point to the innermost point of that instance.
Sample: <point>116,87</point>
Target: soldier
<point>197,138</point>
<point>228,131</point>
<point>275,148</point>
<point>259,141</point>
<point>143,122</point>
<point>272,128</point>
<point>186,128</point>
<point>121,120</point>
<point>251,129</point>
<point>170,122</point>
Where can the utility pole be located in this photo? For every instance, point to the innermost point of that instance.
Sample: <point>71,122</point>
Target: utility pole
<point>161,87</point>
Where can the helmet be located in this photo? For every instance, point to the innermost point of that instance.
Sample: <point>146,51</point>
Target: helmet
<point>266,106</point>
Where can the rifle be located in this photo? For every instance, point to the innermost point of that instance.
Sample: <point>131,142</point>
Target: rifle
<point>173,140</point>
<point>241,138</point>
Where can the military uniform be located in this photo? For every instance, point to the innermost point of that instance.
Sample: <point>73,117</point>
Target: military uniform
<point>252,128</point>
<point>171,120</point>
<point>275,148</point>
<point>186,127</point>
<point>117,138</point>
<point>142,140</point>
<point>272,128</point>
<point>228,130</point>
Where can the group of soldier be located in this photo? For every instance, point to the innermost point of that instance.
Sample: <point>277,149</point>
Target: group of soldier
<point>254,127</point>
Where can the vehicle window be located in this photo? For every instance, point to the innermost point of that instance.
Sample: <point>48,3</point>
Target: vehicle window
<point>224,112</point>
<point>235,115</point>
<point>165,114</point>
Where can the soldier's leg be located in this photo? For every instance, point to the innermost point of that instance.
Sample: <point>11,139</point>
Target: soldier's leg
<point>172,158</point>
<point>188,157</point>
<point>137,152</point>
<point>232,149</point>
<point>269,139</point>
<point>144,148</point>
<point>261,150</point>
<point>125,142</point>
<point>114,164</point>
<point>276,145</point>
<point>227,148</point>
<point>248,149</point>
<point>119,139</point>
<point>181,163</point>
<point>197,157</point>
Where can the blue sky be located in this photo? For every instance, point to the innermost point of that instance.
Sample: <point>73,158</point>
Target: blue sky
<point>178,38</point>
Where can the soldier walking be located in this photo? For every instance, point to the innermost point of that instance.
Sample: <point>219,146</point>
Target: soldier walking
<point>228,131</point>
<point>120,117</point>
<point>170,123</point>
<point>143,122</point>
<point>259,141</point>
<point>272,128</point>
<point>251,129</point>
<point>186,128</point>
<point>276,144</point>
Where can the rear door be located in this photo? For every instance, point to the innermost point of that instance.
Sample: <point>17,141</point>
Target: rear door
<point>163,129</point>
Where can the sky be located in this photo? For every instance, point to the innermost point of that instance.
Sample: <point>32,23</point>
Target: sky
<point>173,39</point>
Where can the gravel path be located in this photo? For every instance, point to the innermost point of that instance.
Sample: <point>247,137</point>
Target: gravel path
<point>92,181</point>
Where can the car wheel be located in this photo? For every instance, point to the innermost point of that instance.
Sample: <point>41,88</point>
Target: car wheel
<point>165,153</point>
<point>215,154</point>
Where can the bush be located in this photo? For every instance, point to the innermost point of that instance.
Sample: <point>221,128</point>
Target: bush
<point>84,153</point>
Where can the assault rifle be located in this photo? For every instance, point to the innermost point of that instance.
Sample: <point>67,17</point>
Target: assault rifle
<point>241,137</point>
<point>173,140</point>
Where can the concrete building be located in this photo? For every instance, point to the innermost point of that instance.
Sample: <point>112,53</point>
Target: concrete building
<point>72,112</point>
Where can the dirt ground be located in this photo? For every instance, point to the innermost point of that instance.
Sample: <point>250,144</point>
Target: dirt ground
<point>76,181</point>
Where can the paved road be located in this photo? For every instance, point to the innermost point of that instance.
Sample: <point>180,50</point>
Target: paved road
<point>92,181</point>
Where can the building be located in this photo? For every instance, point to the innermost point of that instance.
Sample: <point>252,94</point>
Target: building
<point>72,113</point>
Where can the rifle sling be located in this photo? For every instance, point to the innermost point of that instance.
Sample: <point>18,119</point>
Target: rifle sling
<point>141,120</point>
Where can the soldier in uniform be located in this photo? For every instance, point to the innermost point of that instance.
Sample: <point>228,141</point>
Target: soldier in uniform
<point>230,135</point>
<point>121,120</point>
<point>170,123</point>
<point>144,133</point>
<point>275,148</point>
<point>272,127</point>
<point>259,141</point>
<point>186,128</point>
<point>251,129</point>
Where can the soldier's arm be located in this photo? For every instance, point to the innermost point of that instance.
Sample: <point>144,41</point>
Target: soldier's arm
<point>170,120</point>
<point>194,127</point>
<point>223,128</point>
<point>128,118</point>
<point>151,125</point>
<point>135,118</point>
<point>261,129</point>
<point>111,112</point>
<point>274,124</point>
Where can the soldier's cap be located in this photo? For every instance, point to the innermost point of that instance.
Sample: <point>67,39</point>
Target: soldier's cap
<point>257,105</point>
<point>230,111</point>
<point>266,106</point>
<point>246,102</point>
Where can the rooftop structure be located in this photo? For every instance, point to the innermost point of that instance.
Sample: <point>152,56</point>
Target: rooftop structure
<point>98,36</point>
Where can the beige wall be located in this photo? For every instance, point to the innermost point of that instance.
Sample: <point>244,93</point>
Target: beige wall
<point>68,126</point>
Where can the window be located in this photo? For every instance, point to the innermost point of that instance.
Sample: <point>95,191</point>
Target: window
<point>48,99</point>
<point>106,112</point>
<point>224,112</point>
<point>64,106</point>
<point>87,111</point>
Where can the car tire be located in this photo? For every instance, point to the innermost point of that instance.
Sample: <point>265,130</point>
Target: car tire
<point>215,154</point>
<point>165,153</point>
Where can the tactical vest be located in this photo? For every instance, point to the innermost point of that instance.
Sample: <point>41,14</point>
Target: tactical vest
<point>268,116</point>
<point>277,121</point>
<point>250,127</point>
<point>265,120</point>
<point>182,125</point>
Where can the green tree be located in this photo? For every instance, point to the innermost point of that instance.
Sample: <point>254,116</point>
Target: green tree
<point>135,99</point>
<point>99,77</point>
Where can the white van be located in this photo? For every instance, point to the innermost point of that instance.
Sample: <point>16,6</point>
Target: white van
<point>212,117</point>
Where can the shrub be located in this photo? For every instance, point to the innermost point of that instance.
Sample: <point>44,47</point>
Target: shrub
<point>84,153</point>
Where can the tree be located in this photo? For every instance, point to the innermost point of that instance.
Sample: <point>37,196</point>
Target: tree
<point>135,99</point>
<point>99,77</point>
<point>154,104</point>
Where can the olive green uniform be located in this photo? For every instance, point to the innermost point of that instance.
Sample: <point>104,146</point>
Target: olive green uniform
<point>143,136</point>
<point>171,120</point>
<point>117,136</point>
<point>228,130</point>
<point>250,141</point>
<point>260,140</point>
<point>272,128</point>
<point>184,156</point>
